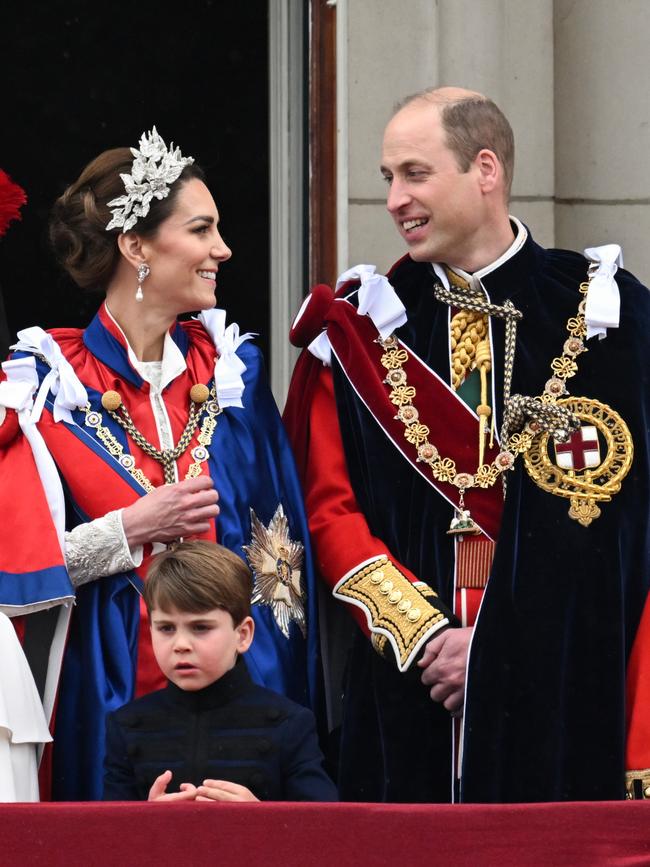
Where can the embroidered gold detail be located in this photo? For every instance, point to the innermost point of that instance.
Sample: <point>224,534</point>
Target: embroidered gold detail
<point>637,784</point>
<point>425,590</point>
<point>394,606</point>
<point>112,403</point>
<point>277,563</point>
<point>584,488</point>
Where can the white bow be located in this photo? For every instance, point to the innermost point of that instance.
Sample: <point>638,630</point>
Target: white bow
<point>602,310</point>
<point>321,348</point>
<point>377,299</point>
<point>229,367</point>
<point>18,392</point>
<point>61,379</point>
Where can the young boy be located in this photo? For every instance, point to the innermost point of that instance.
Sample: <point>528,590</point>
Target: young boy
<point>211,734</point>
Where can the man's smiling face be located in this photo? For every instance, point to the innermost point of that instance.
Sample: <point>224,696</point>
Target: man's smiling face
<point>437,208</point>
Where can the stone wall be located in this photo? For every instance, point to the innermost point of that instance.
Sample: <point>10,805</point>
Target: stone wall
<point>572,76</point>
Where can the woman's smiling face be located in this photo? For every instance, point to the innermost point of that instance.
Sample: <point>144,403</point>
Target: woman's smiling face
<point>185,253</point>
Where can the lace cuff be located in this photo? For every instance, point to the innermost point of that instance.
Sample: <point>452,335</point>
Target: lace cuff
<point>99,548</point>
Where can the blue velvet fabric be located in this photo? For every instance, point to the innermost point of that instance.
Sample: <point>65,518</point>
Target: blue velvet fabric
<point>253,468</point>
<point>37,585</point>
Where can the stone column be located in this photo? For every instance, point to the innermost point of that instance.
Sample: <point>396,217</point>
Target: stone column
<point>391,52</point>
<point>503,48</point>
<point>602,123</point>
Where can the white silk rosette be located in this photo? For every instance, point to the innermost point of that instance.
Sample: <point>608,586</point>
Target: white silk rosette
<point>377,300</point>
<point>603,307</point>
<point>229,367</point>
<point>21,391</point>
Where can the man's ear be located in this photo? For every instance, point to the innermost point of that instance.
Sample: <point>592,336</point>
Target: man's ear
<point>130,245</point>
<point>246,631</point>
<point>490,170</point>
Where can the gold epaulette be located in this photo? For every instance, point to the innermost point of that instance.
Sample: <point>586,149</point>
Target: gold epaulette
<point>637,785</point>
<point>398,612</point>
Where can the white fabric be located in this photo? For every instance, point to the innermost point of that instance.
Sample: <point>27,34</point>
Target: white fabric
<point>377,299</point>
<point>61,379</point>
<point>321,348</point>
<point>603,307</point>
<point>22,721</point>
<point>474,280</point>
<point>303,307</point>
<point>17,392</point>
<point>520,239</point>
<point>229,367</point>
<point>442,274</point>
<point>99,548</point>
<point>171,365</point>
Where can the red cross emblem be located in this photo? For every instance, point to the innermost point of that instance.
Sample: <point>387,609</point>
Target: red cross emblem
<point>581,451</point>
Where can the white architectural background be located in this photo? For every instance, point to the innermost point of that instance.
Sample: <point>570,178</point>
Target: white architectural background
<point>573,77</point>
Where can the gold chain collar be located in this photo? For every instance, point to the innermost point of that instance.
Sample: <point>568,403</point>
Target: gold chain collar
<point>518,431</point>
<point>203,404</point>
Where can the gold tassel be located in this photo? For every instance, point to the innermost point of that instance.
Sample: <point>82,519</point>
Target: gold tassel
<point>483,361</point>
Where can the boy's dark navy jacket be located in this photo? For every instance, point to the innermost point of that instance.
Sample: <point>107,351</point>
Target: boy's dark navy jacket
<point>231,730</point>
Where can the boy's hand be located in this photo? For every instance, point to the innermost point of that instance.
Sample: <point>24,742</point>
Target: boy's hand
<point>158,792</point>
<point>220,790</point>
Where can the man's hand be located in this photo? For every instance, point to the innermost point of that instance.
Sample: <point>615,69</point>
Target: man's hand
<point>444,665</point>
<point>158,792</point>
<point>171,512</point>
<point>220,790</point>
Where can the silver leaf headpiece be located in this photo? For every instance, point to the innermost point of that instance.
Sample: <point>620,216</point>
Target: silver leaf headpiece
<point>154,168</point>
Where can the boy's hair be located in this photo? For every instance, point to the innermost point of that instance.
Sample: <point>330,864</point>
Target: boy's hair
<point>198,576</point>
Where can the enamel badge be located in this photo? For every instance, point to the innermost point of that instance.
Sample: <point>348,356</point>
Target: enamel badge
<point>578,469</point>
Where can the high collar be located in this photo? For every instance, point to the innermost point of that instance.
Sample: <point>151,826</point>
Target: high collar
<point>506,276</point>
<point>107,342</point>
<point>217,694</point>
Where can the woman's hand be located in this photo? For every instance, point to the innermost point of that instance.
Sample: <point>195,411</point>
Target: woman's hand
<point>221,790</point>
<point>171,512</point>
<point>158,792</point>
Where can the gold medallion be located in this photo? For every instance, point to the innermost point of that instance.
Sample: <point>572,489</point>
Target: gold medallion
<point>576,473</point>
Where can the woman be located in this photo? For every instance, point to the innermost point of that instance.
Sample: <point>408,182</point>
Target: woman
<point>23,728</point>
<point>136,432</point>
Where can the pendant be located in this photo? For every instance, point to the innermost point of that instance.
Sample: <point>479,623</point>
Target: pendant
<point>462,524</point>
<point>576,469</point>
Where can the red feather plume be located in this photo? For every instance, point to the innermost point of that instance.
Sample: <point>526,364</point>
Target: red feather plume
<point>12,198</point>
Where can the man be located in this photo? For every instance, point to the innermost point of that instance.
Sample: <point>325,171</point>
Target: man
<point>462,446</point>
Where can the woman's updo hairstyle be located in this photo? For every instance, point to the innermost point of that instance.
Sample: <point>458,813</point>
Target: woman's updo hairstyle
<point>79,218</point>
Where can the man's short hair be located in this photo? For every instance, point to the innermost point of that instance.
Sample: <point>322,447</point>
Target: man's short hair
<point>472,123</point>
<point>199,576</point>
